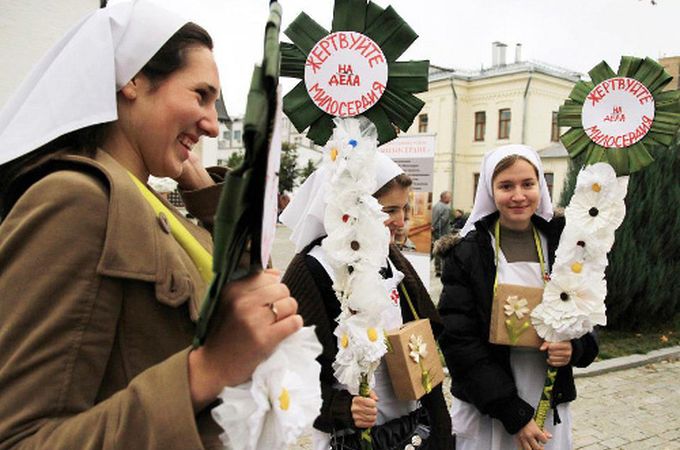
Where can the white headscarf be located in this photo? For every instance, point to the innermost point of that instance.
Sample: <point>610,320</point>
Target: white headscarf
<point>74,85</point>
<point>484,202</point>
<point>305,213</point>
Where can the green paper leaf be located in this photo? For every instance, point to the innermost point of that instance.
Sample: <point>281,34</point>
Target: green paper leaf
<point>408,76</point>
<point>378,116</point>
<point>668,101</point>
<point>569,114</point>
<point>618,159</point>
<point>629,66</point>
<point>299,108</point>
<point>305,32</point>
<point>321,130</point>
<point>650,74</point>
<point>391,33</point>
<point>580,91</point>
<point>596,154</point>
<point>349,15</point>
<point>401,107</point>
<point>575,141</point>
<point>292,61</point>
<point>639,157</point>
<point>601,72</point>
<point>373,11</point>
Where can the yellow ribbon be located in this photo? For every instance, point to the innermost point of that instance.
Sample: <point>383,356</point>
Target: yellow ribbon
<point>198,254</point>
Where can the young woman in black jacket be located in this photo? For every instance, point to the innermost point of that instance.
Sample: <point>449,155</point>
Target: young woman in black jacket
<point>497,387</point>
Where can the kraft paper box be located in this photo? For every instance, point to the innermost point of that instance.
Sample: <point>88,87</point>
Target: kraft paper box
<point>410,378</point>
<point>507,328</point>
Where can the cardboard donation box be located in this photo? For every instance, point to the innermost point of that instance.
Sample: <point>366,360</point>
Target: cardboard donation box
<point>413,360</point>
<point>510,316</point>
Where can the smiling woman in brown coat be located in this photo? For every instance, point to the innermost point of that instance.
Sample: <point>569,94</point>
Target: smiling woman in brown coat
<point>97,296</point>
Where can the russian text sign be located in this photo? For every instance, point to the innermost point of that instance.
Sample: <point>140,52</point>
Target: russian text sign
<point>345,73</point>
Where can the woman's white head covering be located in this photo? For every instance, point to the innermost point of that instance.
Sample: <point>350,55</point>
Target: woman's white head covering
<point>74,85</point>
<point>484,202</point>
<point>305,213</point>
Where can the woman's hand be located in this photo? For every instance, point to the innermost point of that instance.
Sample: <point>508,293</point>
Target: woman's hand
<point>559,353</point>
<point>246,332</point>
<point>530,437</point>
<point>193,176</point>
<point>365,410</point>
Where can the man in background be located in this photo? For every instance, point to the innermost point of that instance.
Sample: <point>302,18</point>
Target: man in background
<point>441,224</point>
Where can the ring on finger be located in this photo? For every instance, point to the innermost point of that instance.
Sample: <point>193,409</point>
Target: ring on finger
<point>272,308</point>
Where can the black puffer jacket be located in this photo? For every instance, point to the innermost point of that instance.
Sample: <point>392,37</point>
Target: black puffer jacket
<point>480,370</point>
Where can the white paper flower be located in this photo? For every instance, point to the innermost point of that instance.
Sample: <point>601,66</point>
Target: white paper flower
<point>581,251</point>
<point>572,305</point>
<point>515,305</point>
<point>594,213</point>
<point>418,348</point>
<point>361,345</point>
<point>368,294</point>
<point>279,403</point>
<point>601,179</point>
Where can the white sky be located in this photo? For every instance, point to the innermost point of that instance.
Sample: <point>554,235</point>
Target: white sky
<point>574,34</point>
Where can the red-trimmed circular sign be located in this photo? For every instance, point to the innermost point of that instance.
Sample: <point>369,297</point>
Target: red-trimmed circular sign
<point>345,73</point>
<point>618,112</point>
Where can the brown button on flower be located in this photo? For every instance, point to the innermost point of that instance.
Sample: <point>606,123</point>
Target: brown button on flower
<point>163,222</point>
<point>355,245</point>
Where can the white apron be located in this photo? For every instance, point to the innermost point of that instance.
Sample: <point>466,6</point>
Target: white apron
<point>477,431</point>
<point>389,407</point>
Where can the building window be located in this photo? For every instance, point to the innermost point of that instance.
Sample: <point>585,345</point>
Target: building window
<point>226,135</point>
<point>550,180</point>
<point>237,135</point>
<point>555,129</point>
<point>480,125</point>
<point>474,188</point>
<point>504,123</point>
<point>422,123</point>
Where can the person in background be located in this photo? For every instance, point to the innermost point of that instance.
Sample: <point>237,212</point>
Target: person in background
<point>496,387</point>
<point>102,279</point>
<point>441,224</point>
<point>310,279</point>
<point>458,220</point>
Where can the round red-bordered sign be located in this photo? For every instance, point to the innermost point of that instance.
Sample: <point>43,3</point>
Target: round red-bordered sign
<point>345,73</point>
<point>618,112</point>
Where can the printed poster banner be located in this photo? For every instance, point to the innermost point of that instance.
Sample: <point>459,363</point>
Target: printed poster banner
<point>415,154</point>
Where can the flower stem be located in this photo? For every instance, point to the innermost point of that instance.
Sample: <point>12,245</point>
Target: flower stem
<point>546,396</point>
<point>365,391</point>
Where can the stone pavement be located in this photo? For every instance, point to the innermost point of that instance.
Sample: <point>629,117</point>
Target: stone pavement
<point>630,403</point>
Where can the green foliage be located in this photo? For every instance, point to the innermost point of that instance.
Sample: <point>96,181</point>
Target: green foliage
<point>235,159</point>
<point>306,171</point>
<point>643,267</point>
<point>288,172</point>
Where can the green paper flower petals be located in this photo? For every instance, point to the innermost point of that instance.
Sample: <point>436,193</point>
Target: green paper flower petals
<point>634,156</point>
<point>396,108</point>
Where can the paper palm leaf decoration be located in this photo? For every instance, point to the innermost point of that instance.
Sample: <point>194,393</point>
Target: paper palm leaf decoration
<point>630,155</point>
<point>397,107</point>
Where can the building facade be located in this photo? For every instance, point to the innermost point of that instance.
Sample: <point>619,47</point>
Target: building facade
<point>471,112</point>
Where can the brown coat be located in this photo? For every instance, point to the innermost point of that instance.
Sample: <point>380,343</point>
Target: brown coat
<point>96,309</point>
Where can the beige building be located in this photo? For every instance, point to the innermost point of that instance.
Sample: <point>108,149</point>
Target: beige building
<point>672,66</point>
<point>471,112</point>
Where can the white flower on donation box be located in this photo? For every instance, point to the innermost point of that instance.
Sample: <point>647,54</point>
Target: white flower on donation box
<point>572,305</point>
<point>581,252</point>
<point>601,179</point>
<point>517,306</point>
<point>594,213</point>
<point>282,399</point>
<point>417,347</point>
<point>361,345</point>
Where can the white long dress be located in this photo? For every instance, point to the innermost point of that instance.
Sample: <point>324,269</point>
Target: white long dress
<point>477,431</point>
<point>389,406</point>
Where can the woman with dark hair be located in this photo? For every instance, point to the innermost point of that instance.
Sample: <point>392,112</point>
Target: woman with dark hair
<point>310,279</point>
<point>510,237</point>
<point>101,278</point>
